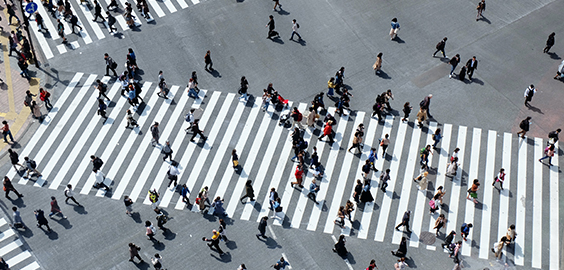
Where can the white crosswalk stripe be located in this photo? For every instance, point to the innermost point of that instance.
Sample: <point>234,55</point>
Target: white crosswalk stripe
<point>12,249</point>
<point>232,124</point>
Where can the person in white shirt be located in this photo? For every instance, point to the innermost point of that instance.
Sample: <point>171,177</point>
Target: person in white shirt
<point>295,27</point>
<point>69,193</point>
<point>173,173</point>
<point>100,177</point>
<point>190,119</point>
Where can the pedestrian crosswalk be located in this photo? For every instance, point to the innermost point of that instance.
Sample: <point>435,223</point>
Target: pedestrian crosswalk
<point>72,132</point>
<point>91,31</point>
<point>12,249</point>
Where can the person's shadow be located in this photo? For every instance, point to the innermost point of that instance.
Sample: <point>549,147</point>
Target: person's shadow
<point>214,73</point>
<point>485,20</point>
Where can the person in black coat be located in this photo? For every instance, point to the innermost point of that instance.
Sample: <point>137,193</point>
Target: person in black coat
<point>441,47</point>
<point>471,65</point>
<point>340,247</point>
<point>402,250</point>
<point>524,125</point>
<point>262,228</point>
<point>249,191</point>
<point>549,42</point>
<point>453,63</point>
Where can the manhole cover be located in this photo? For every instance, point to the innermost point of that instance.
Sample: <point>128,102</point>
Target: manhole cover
<point>427,238</point>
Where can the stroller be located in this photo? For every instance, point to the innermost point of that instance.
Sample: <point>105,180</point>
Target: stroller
<point>285,119</point>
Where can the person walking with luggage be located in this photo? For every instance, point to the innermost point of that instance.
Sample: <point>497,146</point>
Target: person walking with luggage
<point>395,28</point>
<point>471,65</point>
<point>249,192</point>
<point>110,65</point>
<point>69,193</point>
<point>8,186</point>
<point>155,133</point>
<point>55,208</point>
<point>262,228</point>
<point>500,177</point>
<point>208,61</point>
<point>271,27</point>
<point>405,221</point>
<point>480,8</point>
<point>524,125</point>
<point>41,220</point>
<point>295,27</point>
<point>548,153</point>
<point>453,63</point>
<point>441,47</point>
<point>549,42</point>
<point>529,93</point>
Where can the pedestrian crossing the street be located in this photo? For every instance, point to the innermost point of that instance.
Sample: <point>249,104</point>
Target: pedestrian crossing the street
<point>133,166</point>
<point>91,31</point>
<point>12,249</point>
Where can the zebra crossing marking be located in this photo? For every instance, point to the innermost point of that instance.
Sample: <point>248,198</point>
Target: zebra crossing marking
<point>488,194</point>
<point>554,213</point>
<point>520,199</point>
<point>536,247</point>
<point>456,181</point>
<point>94,25</point>
<point>42,40</point>
<point>504,194</point>
<point>157,8</point>
<point>472,174</point>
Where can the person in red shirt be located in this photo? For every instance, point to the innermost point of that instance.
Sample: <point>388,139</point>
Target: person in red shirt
<point>328,131</point>
<point>6,132</point>
<point>44,96</point>
<point>299,177</point>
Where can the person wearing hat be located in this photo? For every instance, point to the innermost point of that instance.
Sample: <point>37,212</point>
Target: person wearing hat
<point>328,131</point>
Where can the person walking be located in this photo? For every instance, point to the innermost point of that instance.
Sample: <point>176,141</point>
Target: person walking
<point>365,195</point>
<point>480,8</point>
<point>498,247</point>
<point>549,42</point>
<point>471,65</point>
<point>74,23</point>
<point>424,155</point>
<point>553,136</point>
<point>425,105</point>
<point>167,151</point>
<point>162,88</point>
<point>130,120</point>
<point>406,111</point>
<point>328,131</point>
<point>185,192</point>
<point>440,194</point>
<point>331,87</point>
<point>102,108</point>
<point>276,3</point>
<point>271,26</point>
<point>339,247</point>
<point>357,191</point>
<point>297,118</point>
<point>421,179</point>
<point>265,100</point>
<point>405,221</point>
<point>150,231</point>
<point>511,234</point>
<point>155,133</point>
<point>172,174</point>
<point>69,193</point>
<point>311,117</point>
<point>280,264</point>
<point>14,159</point>
<point>96,162</point>
<point>441,47</point>
<point>559,73</point>
<point>395,28</point>
<point>384,142</point>
<point>128,205</point>
<point>378,64</point>
<point>157,262</point>
<point>402,249</point>
<point>357,140</point>
<point>208,61</point>
<point>295,27</point>
<point>61,30</point>
<point>384,178</point>
<point>299,174</point>
<point>111,21</point>
<point>31,167</point>
<point>12,13</point>
<point>22,64</point>
<point>401,264</point>
<point>98,12</point>
<point>529,93</point>
<point>500,177</point>
<point>439,223</point>
<point>437,138</point>
<point>196,130</point>
<point>55,209</point>
<point>372,265</point>
<point>453,63</point>
<point>243,89</point>
<point>110,65</point>
<point>192,85</point>
<point>41,220</point>
<point>8,186</point>
<point>100,177</point>
<point>262,228</point>
<point>524,125</point>
<point>6,132</point>
<point>448,239</point>
<point>134,252</point>
<point>473,191</point>
<point>313,189</point>
<point>465,230</point>
<point>548,153</point>
<point>249,192</point>
<point>18,222</point>
<point>44,96</point>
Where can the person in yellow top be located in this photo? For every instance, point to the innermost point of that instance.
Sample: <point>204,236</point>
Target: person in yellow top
<point>331,86</point>
<point>214,242</point>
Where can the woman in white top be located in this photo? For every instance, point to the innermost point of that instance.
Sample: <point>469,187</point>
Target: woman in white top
<point>452,167</point>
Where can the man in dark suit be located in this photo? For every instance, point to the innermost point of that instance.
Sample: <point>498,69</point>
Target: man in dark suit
<point>470,66</point>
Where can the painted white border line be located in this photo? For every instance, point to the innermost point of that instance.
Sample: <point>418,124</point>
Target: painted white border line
<point>455,197</point>
<point>536,247</point>
<point>554,212</point>
<point>487,205</point>
<point>520,200</point>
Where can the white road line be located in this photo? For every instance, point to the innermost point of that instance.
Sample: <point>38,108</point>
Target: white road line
<point>195,2</point>
<point>387,199</point>
<point>455,196</point>
<point>89,18</point>
<point>77,119</point>
<point>169,5</point>
<point>47,22</point>
<point>136,19</point>
<point>128,145</point>
<point>441,170</point>
<point>342,180</point>
<point>18,258</point>
<point>190,149</point>
<point>9,247</point>
<point>95,145</point>
<point>251,156</point>
<point>31,266</point>
<point>273,236</point>
<point>367,144</point>
<point>48,120</point>
<point>504,194</point>
<point>521,199</point>
<point>182,4</point>
<point>41,39</point>
<point>472,174</point>
<point>420,201</point>
<point>6,234</point>
<point>157,8</point>
<point>74,45</point>
<point>223,146</point>
<point>263,168</point>
<point>277,174</point>
<point>72,156</point>
<point>554,212</point>
<point>410,165</point>
<point>288,190</point>
<point>536,259</point>
<point>286,259</point>
<point>489,174</point>
<point>328,174</point>
<point>146,143</point>
<point>3,222</point>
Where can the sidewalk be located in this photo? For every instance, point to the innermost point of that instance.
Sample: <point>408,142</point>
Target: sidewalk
<point>14,87</point>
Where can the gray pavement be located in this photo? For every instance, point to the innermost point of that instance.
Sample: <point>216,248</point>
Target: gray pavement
<point>335,34</point>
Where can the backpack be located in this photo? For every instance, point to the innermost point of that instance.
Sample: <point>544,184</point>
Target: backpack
<point>298,25</point>
<point>97,162</point>
<point>439,45</point>
<point>422,151</point>
<point>103,106</point>
<point>523,124</point>
<point>33,164</point>
<point>422,103</point>
<point>432,204</point>
<point>300,116</point>
<point>103,88</point>
<point>275,195</point>
<point>303,145</point>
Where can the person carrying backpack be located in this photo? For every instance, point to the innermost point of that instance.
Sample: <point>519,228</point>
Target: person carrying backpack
<point>297,118</point>
<point>31,167</point>
<point>524,125</point>
<point>102,108</point>
<point>96,162</point>
<point>441,47</point>
<point>44,96</point>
